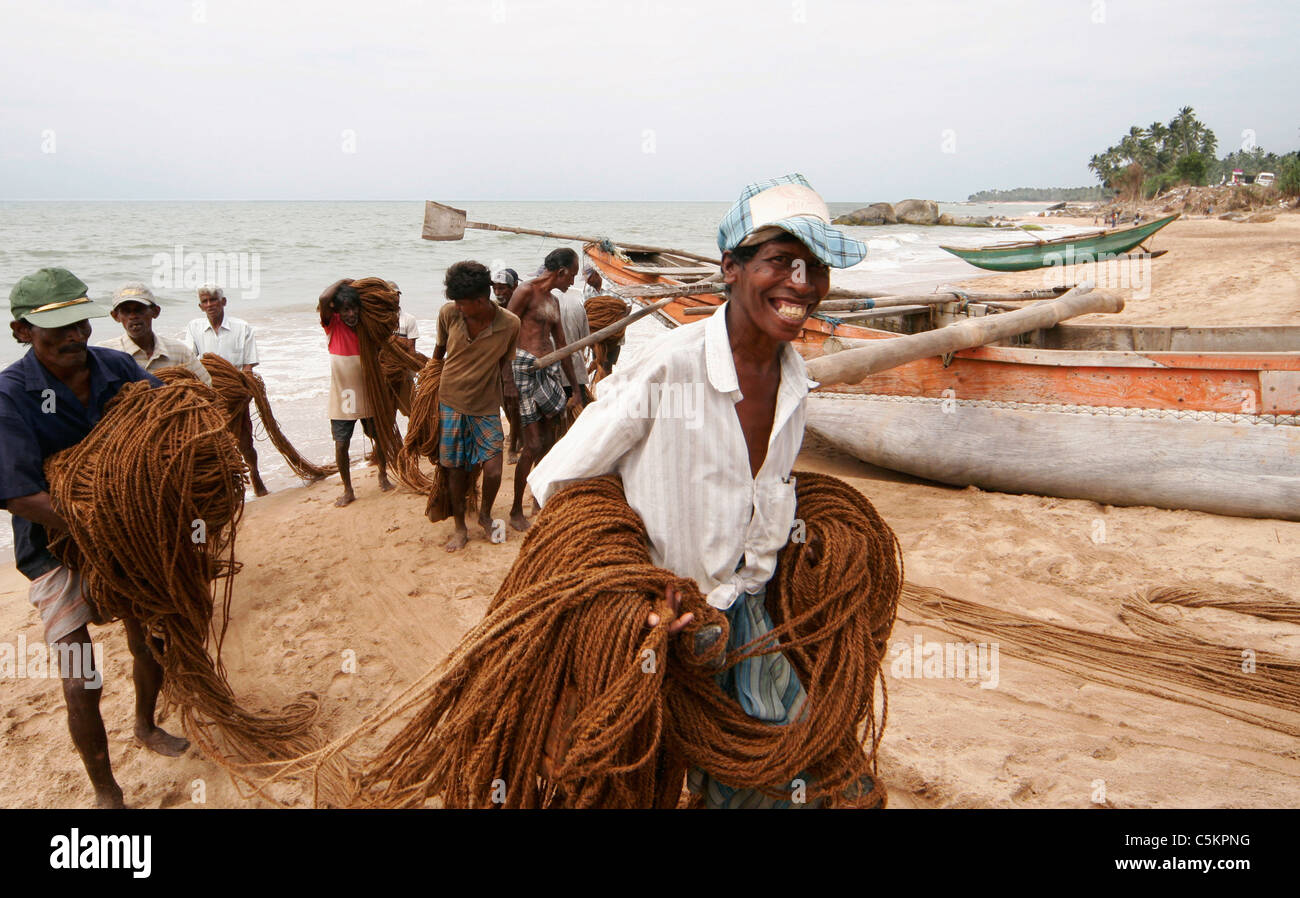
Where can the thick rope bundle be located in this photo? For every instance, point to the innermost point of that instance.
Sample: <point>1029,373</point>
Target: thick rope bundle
<point>236,389</point>
<point>379,356</point>
<point>571,617</point>
<point>151,497</point>
<point>1164,658</point>
<point>602,311</point>
<point>424,436</point>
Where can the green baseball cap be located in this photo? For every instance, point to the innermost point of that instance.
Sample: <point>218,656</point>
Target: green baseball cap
<point>52,297</point>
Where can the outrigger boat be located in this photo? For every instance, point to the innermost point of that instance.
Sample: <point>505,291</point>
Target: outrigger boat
<point>1091,247</point>
<point>1202,418</point>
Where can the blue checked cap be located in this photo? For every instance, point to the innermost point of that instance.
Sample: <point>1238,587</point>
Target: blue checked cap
<point>790,204</point>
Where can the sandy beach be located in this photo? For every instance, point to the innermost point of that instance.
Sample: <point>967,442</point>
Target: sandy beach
<point>319,583</point>
<point>1215,272</point>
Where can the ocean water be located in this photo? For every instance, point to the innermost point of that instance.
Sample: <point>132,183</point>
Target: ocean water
<point>275,258</point>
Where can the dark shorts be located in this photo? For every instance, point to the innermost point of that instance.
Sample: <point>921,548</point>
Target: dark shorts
<point>343,430</point>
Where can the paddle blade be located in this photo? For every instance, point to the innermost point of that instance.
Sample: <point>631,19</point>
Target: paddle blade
<point>442,222</point>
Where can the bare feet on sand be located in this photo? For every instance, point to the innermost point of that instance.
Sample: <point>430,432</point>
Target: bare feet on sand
<point>485,521</point>
<point>346,499</point>
<point>519,522</point>
<point>162,742</point>
<point>458,540</point>
<point>385,484</point>
<point>109,798</point>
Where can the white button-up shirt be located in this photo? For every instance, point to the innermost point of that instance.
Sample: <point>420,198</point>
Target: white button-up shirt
<point>573,320</point>
<point>233,341</point>
<point>666,422</point>
<point>166,352</point>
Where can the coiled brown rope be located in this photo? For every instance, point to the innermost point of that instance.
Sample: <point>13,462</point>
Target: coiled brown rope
<point>236,389</point>
<point>151,497</point>
<point>572,612</point>
<point>379,352</point>
<point>602,311</point>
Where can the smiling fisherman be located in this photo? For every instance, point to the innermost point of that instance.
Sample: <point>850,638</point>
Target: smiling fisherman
<point>711,479</point>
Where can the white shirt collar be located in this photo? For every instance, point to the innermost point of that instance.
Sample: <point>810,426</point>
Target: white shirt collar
<point>721,364</point>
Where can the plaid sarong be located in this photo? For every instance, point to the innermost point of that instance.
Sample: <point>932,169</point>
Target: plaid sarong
<point>767,689</point>
<point>541,393</point>
<point>468,440</point>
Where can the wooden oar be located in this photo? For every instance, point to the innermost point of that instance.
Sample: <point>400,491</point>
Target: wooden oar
<point>605,332</point>
<point>448,223</point>
<point>912,299</point>
<point>852,365</point>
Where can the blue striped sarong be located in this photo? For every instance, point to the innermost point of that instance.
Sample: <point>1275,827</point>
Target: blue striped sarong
<point>767,688</point>
<point>467,440</point>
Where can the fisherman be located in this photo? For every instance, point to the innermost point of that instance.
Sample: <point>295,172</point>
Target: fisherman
<point>135,308</point>
<point>504,282</point>
<point>475,336</point>
<point>340,314</point>
<point>592,282</point>
<point>541,393</point>
<point>709,470</point>
<point>232,339</point>
<point>573,316</point>
<point>408,331</point>
<point>49,400</point>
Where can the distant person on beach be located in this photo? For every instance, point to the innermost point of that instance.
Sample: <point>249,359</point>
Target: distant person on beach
<point>714,486</point>
<point>573,315</point>
<point>475,336</point>
<point>504,283</point>
<point>592,282</point>
<point>541,393</point>
<point>232,339</point>
<point>135,308</point>
<point>340,313</point>
<point>408,331</point>
<point>50,399</point>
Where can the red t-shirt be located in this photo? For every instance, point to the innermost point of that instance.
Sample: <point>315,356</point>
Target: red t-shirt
<point>343,339</point>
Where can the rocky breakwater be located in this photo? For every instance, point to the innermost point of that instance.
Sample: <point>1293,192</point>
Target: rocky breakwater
<point>911,212</point>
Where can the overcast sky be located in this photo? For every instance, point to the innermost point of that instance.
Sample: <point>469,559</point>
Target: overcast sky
<point>642,100</point>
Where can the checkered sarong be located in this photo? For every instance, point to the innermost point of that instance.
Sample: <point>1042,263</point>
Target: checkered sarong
<point>468,440</point>
<point>541,393</point>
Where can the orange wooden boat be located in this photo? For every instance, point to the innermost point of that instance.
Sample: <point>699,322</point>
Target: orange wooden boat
<point>1204,418</point>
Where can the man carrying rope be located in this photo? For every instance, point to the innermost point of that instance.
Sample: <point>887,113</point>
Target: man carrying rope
<point>475,336</point>
<point>135,308</point>
<point>232,339</point>
<point>504,283</point>
<point>541,393</point>
<point>703,429</point>
<point>340,314</point>
<point>49,400</point>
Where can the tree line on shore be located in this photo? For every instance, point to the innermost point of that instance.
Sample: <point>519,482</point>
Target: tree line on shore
<point>1147,161</point>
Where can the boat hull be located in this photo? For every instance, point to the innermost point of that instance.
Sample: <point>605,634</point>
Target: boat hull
<point>1242,465</point>
<point>1064,251</point>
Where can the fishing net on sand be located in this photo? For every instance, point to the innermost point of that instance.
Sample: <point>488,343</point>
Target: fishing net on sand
<point>1163,658</point>
<point>568,624</point>
<point>152,497</point>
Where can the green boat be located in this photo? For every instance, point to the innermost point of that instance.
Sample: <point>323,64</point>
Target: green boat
<point>1071,250</point>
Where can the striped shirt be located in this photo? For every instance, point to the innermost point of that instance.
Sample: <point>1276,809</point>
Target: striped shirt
<point>573,321</point>
<point>166,353</point>
<point>666,422</point>
<point>233,341</point>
